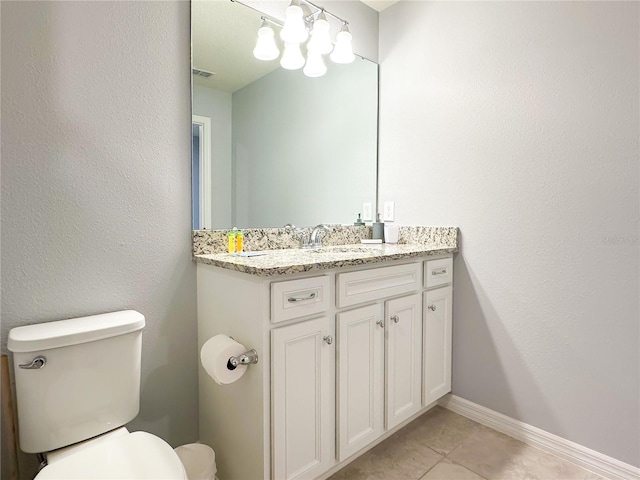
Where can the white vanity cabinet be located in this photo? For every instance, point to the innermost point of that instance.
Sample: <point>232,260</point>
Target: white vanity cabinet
<point>437,344</point>
<point>360,378</point>
<point>303,398</point>
<point>438,319</point>
<point>346,357</point>
<point>379,361</point>
<point>403,357</point>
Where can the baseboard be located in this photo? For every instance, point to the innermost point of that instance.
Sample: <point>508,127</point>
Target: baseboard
<point>585,457</point>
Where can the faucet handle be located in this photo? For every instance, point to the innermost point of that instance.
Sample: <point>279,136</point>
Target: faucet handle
<point>302,233</point>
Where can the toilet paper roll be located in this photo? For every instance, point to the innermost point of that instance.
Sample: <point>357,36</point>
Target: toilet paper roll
<point>215,354</point>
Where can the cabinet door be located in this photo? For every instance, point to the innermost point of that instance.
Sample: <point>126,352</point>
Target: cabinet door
<point>360,378</point>
<point>303,399</point>
<point>403,317</point>
<point>437,344</point>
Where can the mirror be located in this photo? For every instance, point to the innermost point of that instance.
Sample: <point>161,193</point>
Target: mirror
<point>272,146</point>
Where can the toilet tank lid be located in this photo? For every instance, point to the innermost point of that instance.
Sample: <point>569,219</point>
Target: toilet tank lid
<point>62,333</point>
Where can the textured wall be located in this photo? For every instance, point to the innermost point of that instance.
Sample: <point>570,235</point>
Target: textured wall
<point>96,182</point>
<point>518,122</point>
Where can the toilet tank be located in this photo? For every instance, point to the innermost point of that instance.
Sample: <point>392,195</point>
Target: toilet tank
<point>90,383</point>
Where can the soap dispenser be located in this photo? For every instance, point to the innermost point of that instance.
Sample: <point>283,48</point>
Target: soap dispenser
<point>359,222</point>
<point>378,229</point>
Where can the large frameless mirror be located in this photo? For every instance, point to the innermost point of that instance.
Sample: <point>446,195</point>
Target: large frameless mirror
<point>272,146</point>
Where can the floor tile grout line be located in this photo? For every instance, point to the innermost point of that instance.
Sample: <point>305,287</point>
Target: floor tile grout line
<point>461,464</point>
<point>464,466</point>
<point>432,467</point>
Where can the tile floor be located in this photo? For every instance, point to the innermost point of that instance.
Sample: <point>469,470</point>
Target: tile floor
<point>442,445</point>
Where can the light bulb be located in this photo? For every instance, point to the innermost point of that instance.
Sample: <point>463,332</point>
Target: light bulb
<point>320,38</point>
<point>294,30</point>
<point>292,58</point>
<point>343,51</point>
<point>266,48</point>
<point>315,66</point>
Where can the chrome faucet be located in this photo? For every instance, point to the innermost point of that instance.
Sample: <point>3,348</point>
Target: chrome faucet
<point>314,239</point>
<point>309,238</point>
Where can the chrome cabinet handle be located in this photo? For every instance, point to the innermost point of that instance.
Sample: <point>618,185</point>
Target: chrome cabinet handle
<point>432,308</point>
<point>381,323</point>
<point>328,339</point>
<point>301,299</point>
<point>36,364</point>
<point>395,318</point>
<point>438,272</point>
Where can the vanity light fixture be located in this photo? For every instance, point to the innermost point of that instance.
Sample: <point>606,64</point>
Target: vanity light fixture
<point>266,48</point>
<point>315,66</point>
<point>298,27</point>
<point>295,29</point>
<point>320,39</point>
<point>292,58</point>
<point>343,51</point>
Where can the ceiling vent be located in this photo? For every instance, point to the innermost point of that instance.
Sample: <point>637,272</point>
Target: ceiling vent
<point>202,73</point>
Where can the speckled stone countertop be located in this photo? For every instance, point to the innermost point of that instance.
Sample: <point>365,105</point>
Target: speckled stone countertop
<point>414,242</point>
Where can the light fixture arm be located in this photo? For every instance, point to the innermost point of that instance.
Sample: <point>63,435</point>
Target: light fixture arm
<point>321,9</point>
<point>268,20</point>
<point>307,18</point>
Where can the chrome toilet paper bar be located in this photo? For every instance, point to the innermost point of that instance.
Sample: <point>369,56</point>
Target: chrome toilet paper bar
<point>248,357</point>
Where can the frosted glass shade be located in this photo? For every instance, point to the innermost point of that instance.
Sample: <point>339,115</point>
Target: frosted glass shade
<point>292,58</point>
<point>320,38</point>
<point>266,48</point>
<point>343,51</point>
<point>315,66</point>
<point>294,30</point>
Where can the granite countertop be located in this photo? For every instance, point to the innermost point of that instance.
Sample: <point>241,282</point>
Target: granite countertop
<point>288,261</point>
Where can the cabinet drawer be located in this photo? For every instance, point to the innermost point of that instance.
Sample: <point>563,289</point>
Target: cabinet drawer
<point>297,298</point>
<point>438,272</point>
<point>377,283</point>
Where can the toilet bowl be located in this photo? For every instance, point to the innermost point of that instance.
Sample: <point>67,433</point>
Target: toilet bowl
<point>77,384</point>
<point>137,455</point>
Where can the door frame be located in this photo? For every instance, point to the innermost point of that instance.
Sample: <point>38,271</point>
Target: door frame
<point>204,123</point>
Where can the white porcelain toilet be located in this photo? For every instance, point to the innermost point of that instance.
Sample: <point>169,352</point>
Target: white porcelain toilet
<point>77,384</point>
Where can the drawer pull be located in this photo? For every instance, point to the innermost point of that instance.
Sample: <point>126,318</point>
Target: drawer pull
<point>328,339</point>
<point>395,318</point>
<point>381,323</point>
<point>301,299</point>
<point>439,272</point>
<point>432,308</point>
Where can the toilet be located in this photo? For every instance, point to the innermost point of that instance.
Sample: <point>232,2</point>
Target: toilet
<point>77,384</point>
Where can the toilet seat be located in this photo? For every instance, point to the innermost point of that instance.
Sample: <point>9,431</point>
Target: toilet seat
<point>137,455</point>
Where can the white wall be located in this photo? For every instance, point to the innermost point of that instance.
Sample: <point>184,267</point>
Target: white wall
<point>96,183</point>
<point>216,105</point>
<point>518,122</point>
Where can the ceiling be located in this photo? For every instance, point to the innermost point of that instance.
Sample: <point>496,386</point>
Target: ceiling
<point>224,34</point>
<point>223,37</point>
<point>379,5</point>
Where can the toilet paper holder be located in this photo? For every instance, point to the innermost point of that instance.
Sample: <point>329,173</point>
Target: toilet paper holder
<point>248,357</point>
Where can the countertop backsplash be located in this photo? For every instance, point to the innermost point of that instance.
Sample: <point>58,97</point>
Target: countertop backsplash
<point>207,242</point>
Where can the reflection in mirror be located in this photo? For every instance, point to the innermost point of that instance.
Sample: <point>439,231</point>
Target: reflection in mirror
<point>284,148</point>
